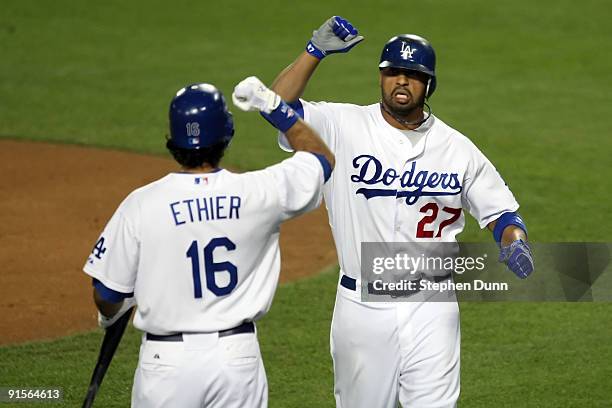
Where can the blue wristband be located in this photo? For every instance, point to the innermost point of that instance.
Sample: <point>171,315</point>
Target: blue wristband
<point>506,219</point>
<point>314,51</point>
<point>282,118</point>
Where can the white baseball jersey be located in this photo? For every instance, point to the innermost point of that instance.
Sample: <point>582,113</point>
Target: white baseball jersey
<point>392,185</point>
<point>200,251</point>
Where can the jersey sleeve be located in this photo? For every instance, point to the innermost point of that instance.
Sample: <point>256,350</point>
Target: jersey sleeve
<point>299,182</point>
<point>319,116</point>
<point>486,196</point>
<point>114,258</point>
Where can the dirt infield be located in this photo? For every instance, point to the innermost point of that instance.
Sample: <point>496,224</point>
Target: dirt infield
<point>55,200</point>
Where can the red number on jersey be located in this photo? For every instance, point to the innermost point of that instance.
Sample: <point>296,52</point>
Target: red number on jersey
<point>455,214</point>
<point>430,218</point>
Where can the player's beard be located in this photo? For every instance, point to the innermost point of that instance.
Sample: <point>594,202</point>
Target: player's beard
<point>412,110</point>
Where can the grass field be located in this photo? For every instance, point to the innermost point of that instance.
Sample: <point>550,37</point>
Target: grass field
<point>528,82</point>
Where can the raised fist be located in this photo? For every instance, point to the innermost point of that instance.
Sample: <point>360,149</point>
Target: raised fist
<point>335,35</point>
<point>252,95</point>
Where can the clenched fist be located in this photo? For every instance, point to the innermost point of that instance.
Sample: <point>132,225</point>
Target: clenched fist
<point>252,95</point>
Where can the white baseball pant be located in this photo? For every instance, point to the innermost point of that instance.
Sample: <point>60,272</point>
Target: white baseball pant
<point>203,370</point>
<point>385,353</point>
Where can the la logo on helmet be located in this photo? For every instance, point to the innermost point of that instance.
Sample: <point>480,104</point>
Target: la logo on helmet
<point>407,51</point>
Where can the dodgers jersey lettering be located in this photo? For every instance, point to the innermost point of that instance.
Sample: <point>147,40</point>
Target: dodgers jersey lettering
<point>219,261</point>
<point>402,185</point>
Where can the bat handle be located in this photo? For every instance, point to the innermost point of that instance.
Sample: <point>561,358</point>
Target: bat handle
<point>111,340</point>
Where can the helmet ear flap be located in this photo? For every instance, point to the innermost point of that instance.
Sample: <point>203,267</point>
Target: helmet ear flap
<point>431,86</point>
<point>427,89</point>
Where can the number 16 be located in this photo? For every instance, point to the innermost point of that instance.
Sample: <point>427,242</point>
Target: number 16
<point>212,267</point>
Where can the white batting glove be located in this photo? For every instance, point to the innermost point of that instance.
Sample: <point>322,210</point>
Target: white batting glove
<point>252,95</point>
<point>105,322</point>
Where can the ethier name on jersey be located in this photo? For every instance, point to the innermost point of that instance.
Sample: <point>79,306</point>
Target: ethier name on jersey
<point>420,183</point>
<point>205,209</point>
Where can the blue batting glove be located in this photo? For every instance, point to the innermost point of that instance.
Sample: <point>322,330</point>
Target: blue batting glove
<point>517,256</point>
<point>335,35</point>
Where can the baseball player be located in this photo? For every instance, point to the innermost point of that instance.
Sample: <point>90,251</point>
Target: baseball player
<point>197,252</point>
<point>401,175</point>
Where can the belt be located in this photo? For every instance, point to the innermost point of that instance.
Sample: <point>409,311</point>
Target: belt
<point>248,327</point>
<point>351,284</point>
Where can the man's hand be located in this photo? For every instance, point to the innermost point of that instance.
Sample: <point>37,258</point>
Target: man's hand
<point>105,322</point>
<point>252,95</point>
<point>517,256</point>
<point>335,35</point>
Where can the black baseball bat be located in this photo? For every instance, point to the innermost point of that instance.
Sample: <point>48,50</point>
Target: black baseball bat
<point>112,337</point>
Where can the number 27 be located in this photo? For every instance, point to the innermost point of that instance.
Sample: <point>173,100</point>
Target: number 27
<point>430,218</point>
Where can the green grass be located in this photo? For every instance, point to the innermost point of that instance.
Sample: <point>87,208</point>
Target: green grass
<point>513,355</point>
<point>528,82</point>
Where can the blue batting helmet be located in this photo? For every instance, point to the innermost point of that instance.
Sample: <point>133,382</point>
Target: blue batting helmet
<point>411,52</point>
<point>199,117</point>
